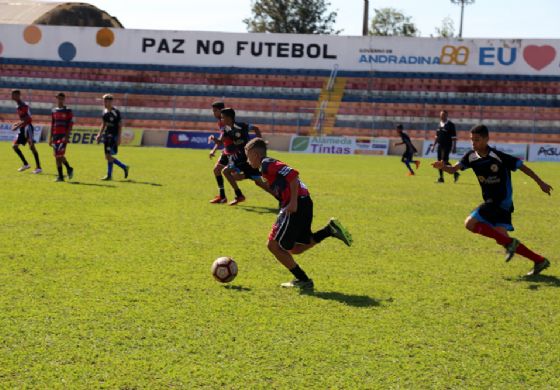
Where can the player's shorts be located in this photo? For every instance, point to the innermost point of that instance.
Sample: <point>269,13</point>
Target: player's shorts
<point>408,155</point>
<point>292,229</point>
<point>111,145</point>
<point>493,215</point>
<point>443,152</point>
<point>246,169</point>
<point>58,144</point>
<point>25,134</point>
<point>224,160</point>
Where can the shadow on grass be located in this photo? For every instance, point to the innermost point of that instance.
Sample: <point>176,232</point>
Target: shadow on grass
<point>147,183</point>
<point>237,288</point>
<point>347,299</point>
<point>537,280</point>
<point>259,210</point>
<point>90,184</point>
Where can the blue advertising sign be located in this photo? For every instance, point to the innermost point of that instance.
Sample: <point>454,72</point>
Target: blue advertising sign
<point>190,139</point>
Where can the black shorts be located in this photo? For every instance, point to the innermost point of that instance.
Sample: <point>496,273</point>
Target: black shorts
<point>408,155</point>
<point>111,145</point>
<point>443,152</point>
<point>493,215</point>
<point>24,135</point>
<point>292,229</point>
<point>58,144</point>
<point>224,160</point>
<point>245,168</point>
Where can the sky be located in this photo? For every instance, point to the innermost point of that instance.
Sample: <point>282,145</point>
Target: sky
<point>483,19</point>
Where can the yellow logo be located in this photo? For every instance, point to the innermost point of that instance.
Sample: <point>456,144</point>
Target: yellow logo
<point>454,55</point>
<point>494,168</point>
<point>481,179</point>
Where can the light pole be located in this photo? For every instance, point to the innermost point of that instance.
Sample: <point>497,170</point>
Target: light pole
<point>462,3</point>
<point>365,26</point>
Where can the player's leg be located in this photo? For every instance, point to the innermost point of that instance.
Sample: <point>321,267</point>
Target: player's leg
<point>406,159</point>
<point>120,164</point>
<point>109,159</point>
<point>218,168</point>
<point>440,157</point>
<point>17,150</point>
<point>228,174</point>
<point>35,153</point>
<point>69,169</point>
<point>58,160</point>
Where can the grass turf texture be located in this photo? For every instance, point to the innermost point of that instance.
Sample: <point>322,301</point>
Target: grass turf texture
<point>108,285</point>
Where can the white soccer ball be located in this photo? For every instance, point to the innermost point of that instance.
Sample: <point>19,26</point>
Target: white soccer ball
<point>224,269</point>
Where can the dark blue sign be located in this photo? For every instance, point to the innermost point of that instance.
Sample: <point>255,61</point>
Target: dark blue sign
<point>190,139</point>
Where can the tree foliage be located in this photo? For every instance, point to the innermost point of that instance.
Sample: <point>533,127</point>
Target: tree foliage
<point>447,29</point>
<point>292,16</point>
<point>392,22</point>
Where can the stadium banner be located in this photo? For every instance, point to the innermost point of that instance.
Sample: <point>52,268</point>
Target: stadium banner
<point>6,133</point>
<point>339,145</point>
<point>87,135</point>
<point>517,150</point>
<point>190,139</point>
<point>544,152</point>
<point>281,51</point>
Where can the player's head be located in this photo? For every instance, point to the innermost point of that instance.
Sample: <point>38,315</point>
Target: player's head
<point>228,115</point>
<point>443,116</point>
<point>108,100</point>
<point>217,107</point>
<point>400,128</point>
<point>60,98</point>
<point>16,95</point>
<point>256,151</point>
<point>479,138</point>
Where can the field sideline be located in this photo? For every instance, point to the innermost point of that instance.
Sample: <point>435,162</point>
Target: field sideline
<point>108,285</point>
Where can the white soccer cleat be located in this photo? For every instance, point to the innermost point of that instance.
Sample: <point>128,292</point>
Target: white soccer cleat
<point>24,168</point>
<point>38,170</point>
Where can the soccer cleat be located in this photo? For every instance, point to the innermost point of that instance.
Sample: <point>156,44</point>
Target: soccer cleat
<point>304,285</point>
<point>410,174</point>
<point>58,179</point>
<point>417,164</point>
<point>38,170</point>
<point>70,173</point>
<point>24,168</point>
<point>340,232</point>
<point>107,178</point>
<point>126,169</point>
<point>238,199</point>
<point>456,177</point>
<point>218,200</point>
<point>511,248</point>
<point>440,180</point>
<point>539,267</point>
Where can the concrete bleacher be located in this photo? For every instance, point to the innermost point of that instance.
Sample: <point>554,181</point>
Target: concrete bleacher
<point>517,108</point>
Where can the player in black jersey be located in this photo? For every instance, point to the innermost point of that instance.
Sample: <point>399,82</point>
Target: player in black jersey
<point>493,217</point>
<point>408,155</point>
<point>111,129</point>
<point>446,142</point>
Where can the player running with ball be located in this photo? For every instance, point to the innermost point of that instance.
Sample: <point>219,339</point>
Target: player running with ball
<point>493,217</point>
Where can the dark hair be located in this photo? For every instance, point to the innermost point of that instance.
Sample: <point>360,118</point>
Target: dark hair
<point>60,94</point>
<point>229,112</point>
<point>480,130</point>
<point>445,111</point>
<point>16,91</point>
<point>399,127</point>
<point>219,105</point>
<point>257,143</point>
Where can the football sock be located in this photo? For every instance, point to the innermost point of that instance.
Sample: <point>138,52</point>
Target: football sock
<point>407,163</point>
<point>119,164</point>
<point>238,192</point>
<point>36,155</point>
<point>109,169</point>
<point>60,174</point>
<point>67,165</point>
<point>488,231</point>
<point>526,252</point>
<point>299,273</point>
<point>440,174</point>
<point>220,180</point>
<point>21,156</point>
<point>320,235</point>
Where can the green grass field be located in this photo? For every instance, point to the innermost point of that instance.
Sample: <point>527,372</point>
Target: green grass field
<point>108,285</point>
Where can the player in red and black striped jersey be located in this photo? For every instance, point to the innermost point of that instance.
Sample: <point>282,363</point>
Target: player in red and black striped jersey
<point>234,137</point>
<point>62,121</point>
<point>291,233</point>
<point>25,132</point>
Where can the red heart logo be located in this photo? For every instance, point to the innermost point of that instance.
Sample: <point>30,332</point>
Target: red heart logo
<point>538,57</point>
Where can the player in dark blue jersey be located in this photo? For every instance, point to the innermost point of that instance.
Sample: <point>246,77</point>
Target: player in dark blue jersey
<point>493,217</point>
<point>111,129</point>
<point>446,142</point>
<point>408,155</point>
<point>223,161</point>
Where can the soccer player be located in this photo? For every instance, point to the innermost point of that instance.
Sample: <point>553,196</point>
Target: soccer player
<point>234,138</point>
<point>493,217</point>
<point>291,233</point>
<point>112,129</point>
<point>25,135</point>
<point>446,142</point>
<point>408,155</point>
<point>61,126</point>
<point>217,107</point>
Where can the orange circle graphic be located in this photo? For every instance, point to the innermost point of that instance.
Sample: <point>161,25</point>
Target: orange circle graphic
<point>32,34</point>
<point>105,37</point>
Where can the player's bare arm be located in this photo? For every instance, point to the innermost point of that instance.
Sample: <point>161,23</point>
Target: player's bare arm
<point>120,133</point>
<point>446,168</point>
<point>257,131</point>
<point>546,188</point>
<point>101,131</point>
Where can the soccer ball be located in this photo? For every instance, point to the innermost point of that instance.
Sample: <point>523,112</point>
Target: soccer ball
<point>224,269</point>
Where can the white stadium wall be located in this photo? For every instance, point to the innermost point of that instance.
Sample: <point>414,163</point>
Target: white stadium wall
<point>281,51</point>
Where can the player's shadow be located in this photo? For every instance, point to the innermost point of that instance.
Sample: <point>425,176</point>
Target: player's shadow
<point>81,183</point>
<point>347,299</point>
<point>537,280</point>
<point>237,288</point>
<point>147,183</point>
<point>259,209</point>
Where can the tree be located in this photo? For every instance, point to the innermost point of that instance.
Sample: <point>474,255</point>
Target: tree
<point>291,16</point>
<point>447,29</point>
<point>392,22</point>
